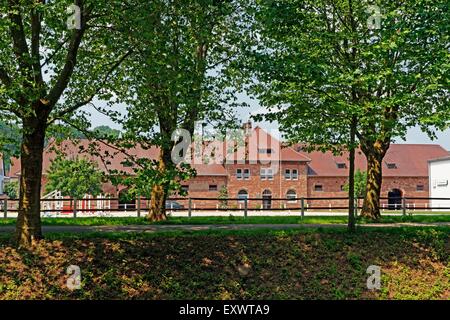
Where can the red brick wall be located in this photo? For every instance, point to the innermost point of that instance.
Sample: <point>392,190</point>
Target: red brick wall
<point>278,186</point>
<point>332,188</point>
<point>303,186</point>
<point>199,188</point>
<point>408,186</point>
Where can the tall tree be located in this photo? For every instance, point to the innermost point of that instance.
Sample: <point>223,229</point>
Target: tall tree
<point>74,177</point>
<point>325,64</point>
<point>180,77</point>
<point>106,132</point>
<point>53,61</point>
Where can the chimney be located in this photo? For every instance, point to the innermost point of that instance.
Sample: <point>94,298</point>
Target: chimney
<point>247,127</point>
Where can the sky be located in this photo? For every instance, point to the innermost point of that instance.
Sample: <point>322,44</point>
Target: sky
<point>414,136</point>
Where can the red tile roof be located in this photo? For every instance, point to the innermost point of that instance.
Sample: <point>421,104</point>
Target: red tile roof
<point>260,140</point>
<point>108,158</point>
<point>411,160</point>
<point>440,159</point>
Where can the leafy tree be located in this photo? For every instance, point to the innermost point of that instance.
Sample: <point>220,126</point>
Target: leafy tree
<point>51,64</point>
<point>223,196</point>
<point>12,189</point>
<point>10,140</point>
<point>360,184</point>
<point>74,178</point>
<point>106,132</point>
<point>146,175</point>
<point>332,70</point>
<point>62,132</point>
<point>180,77</point>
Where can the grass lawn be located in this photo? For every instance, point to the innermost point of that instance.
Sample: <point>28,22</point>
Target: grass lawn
<point>245,264</point>
<point>228,220</point>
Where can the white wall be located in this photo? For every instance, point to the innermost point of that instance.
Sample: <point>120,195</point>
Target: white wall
<point>440,183</point>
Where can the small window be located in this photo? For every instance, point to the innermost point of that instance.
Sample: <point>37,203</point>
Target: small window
<point>420,187</point>
<point>246,174</point>
<point>342,166</point>
<point>318,187</point>
<point>294,174</point>
<point>291,195</point>
<point>262,174</point>
<point>213,187</point>
<point>239,174</point>
<point>242,195</point>
<point>287,174</point>
<point>391,165</point>
<point>265,151</point>
<point>441,183</point>
<point>342,187</point>
<point>185,188</point>
<point>269,174</point>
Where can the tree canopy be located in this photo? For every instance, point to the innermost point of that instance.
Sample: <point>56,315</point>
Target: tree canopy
<point>74,178</point>
<point>321,64</point>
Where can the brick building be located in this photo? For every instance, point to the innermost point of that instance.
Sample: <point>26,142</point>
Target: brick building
<point>261,167</point>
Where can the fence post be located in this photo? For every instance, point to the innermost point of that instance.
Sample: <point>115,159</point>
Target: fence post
<point>190,207</point>
<point>5,208</point>
<point>139,206</point>
<point>74,208</point>
<point>245,207</point>
<point>303,207</point>
<point>404,206</point>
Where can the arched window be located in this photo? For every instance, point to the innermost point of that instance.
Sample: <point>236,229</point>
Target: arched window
<point>267,199</point>
<point>395,199</point>
<point>242,195</point>
<point>291,195</point>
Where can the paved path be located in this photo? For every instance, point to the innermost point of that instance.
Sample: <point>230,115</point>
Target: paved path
<point>163,228</point>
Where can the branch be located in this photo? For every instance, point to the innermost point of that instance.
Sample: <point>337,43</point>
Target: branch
<point>91,137</point>
<point>4,77</point>
<point>18,35</point>
<point>61,45</point>
<point>96,91</point>
<point>70,62</point>
<point>35,44</point>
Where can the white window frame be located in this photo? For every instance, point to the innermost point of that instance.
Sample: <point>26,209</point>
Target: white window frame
<point>287,174</point>
<point>242,200</point>
<point>269,174</point>
<point>246,176</point>
<point>263,174</point>
<point>239,174</point>
<point>294,195</point>
<point>294,176</point>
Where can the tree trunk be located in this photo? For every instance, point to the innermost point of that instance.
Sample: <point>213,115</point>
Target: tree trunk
<point>160,191</point>
<point>351,178</point>
<point>158,204</point>
<point>28,228</point>
<point>371,206</point>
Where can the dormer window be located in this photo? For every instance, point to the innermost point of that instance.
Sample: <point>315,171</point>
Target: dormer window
<point>265,151</point>
<point>341,165</point>
<point>391,165</point>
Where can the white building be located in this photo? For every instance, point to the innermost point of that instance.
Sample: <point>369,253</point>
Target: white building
<point>439,173</point>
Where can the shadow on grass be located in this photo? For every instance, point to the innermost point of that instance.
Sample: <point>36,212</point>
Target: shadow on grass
<point>245,264</point>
